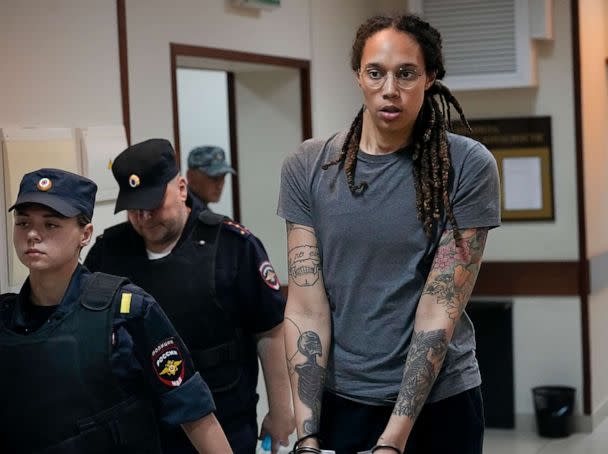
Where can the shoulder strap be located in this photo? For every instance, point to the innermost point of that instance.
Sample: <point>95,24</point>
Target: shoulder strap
<point>208,217</point>
<point>100,291</point>
<point>208,228</point>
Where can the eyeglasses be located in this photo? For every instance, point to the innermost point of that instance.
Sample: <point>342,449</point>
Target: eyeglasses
<point>375,78</point>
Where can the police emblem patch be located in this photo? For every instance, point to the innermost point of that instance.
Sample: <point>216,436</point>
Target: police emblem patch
<point>44,184</point>
<point>269,275</point>
<point>168,363</point>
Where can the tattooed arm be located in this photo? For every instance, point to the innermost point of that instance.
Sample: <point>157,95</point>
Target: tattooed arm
<point>307,328</point>
<point>444,297</point>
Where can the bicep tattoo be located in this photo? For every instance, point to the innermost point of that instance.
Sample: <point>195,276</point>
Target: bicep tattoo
<point>422,366</point>
<point>303,259</point>
<point>455,270</point>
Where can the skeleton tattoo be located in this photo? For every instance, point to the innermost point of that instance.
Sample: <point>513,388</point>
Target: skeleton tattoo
<point>310,376</point>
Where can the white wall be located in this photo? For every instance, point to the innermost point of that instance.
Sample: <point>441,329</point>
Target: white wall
<point>555,240</point>
<point>318,30</point>
<point>60,69</point>
<point>59,63</point>
<point>269,127</point>
<point>202,103</point>
<point>153,24</point>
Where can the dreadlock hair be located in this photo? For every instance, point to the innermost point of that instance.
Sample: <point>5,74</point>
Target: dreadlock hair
<point>431,157</point>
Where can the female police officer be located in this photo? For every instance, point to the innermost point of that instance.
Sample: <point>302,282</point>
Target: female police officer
<point>89,358</point>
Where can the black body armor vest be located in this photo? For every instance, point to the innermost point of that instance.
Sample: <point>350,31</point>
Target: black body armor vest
<point>183,283</point>
<point>59,392</point>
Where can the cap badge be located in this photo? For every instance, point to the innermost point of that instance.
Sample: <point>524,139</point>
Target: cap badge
<point>134,181</point>
<point>44,184</point>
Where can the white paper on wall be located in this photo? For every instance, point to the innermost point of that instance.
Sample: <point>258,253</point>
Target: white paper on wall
<point>99,146</point>
<point>522,183</point>
<point>25,150</point>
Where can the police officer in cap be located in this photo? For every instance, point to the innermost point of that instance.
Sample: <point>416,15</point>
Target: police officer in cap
<point>88,358</point>
<point>215,282</point>
<point>207,169</point>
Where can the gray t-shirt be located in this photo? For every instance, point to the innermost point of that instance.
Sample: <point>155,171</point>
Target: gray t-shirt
<point>376,258</point>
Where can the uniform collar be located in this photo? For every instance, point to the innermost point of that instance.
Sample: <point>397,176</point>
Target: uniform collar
<point>194,201</point>
<point>71,295</point>
<point>196,206</point>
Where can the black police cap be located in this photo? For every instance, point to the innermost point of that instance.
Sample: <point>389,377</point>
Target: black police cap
<point>65,192</point>
<point>142,172</point>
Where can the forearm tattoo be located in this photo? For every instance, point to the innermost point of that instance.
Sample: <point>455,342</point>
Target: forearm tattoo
<point>424,359</point>
<point>455,270</point>
<point>311,376</point>
<point>303,261</point>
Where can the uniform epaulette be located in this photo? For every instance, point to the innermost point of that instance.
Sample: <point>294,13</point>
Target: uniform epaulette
<point>234,226</point>
<point>130,302</point>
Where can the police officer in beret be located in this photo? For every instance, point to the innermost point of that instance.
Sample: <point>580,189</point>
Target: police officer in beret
<point>215,282</point>
<point>88,358</point>
<point>207,169</point>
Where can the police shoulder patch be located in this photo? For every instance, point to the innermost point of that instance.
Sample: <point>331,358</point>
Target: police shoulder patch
<point>269,275</point>
<point>236,227</point>
<point>168,363</point>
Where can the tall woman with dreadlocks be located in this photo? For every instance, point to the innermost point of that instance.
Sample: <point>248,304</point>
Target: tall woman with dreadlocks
<point>386,225</point>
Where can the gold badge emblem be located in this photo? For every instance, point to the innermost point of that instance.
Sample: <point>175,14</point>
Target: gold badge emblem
<point>134,181</point>
<point>44,184</point>
<point>168,363</point>
<point>171,368</point>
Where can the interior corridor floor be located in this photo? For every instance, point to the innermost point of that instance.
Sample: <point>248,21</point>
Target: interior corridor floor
<point>513,442</point>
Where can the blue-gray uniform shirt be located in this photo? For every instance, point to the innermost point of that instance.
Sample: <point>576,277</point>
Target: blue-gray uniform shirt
<point>140,330</point>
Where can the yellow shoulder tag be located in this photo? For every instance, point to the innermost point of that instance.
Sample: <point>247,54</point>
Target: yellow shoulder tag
<point>125,303</point>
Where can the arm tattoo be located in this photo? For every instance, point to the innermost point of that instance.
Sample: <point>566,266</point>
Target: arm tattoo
<point>311,376</point>
<point>424,359</point>
<point>455,269</point>
<point>291,227</point>
<point>303,261</point>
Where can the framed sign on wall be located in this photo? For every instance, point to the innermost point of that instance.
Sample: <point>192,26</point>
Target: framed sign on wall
<point>522,148</point>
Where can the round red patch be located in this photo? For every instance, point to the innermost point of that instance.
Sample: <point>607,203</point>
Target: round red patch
<point>168,363</point>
